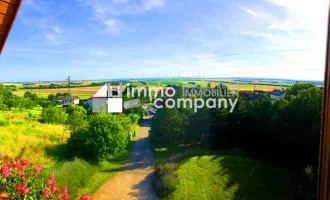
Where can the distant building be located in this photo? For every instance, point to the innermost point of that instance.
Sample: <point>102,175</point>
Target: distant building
<point>67,100</point>
<point>277,94</point>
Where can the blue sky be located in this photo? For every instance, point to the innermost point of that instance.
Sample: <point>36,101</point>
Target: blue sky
<point>106,39</point>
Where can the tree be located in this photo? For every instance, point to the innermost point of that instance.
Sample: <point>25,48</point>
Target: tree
<point>51,97</point>
<point>104,136</point>
<point>30,95</point>
<point>76,116</point>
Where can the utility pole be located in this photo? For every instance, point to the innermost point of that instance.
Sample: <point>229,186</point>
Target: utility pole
<point>39,87</point>
<point>69,85</point>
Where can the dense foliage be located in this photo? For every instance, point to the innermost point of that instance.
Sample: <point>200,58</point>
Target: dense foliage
<point>283,133</point>
<point>105,135</point>
<point>53,115</point>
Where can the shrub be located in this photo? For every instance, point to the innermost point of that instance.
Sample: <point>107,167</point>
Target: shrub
<point>306,189</point>
<point>167,179</point>
<point>134,118</point>
<point>167,168</point>
<point>3,122</point>
<point>166,184</point>
<point>53,115</point>
<point>105,135</point>
<point>21,180</point>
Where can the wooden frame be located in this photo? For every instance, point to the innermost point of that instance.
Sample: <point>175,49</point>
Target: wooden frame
<point>8,12</point>
<point>323,190</point>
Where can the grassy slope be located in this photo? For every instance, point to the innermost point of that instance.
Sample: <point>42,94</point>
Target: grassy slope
<point>46,143</point>
<point>226,175</point>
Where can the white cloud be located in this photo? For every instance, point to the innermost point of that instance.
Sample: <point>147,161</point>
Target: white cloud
<point>150,4</point>
<point>110,12</point>
<point>247,10</point>
<point>54,39</point>
<point>119,1</point>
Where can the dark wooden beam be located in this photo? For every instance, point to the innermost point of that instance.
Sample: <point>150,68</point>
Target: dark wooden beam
<point>323,189</point>
<point>8,12</point>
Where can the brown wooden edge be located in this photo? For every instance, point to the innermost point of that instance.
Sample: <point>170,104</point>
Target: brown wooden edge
<point>11,25</point>
<point>323,188</point>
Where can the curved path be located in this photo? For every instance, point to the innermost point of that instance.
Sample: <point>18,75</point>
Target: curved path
<point>135,179</point>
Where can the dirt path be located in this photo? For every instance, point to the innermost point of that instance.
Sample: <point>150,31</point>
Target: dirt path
<point>135,179</point>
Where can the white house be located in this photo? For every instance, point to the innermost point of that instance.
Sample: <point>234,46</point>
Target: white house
<point>67,100</point>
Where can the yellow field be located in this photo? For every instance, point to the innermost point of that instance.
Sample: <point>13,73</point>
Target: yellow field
<point>266,88</point>
<point>81,92</point>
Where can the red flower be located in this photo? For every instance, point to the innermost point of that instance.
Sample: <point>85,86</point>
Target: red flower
<point>5,171</point>
<point>65,195</point>
<point>85,197</point>
<point>47,192</point>
<point>20,188</point>
<point>24,162</point>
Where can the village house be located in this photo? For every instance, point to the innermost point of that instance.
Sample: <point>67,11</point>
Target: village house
<point>277,94</point>
<point>67,100</point>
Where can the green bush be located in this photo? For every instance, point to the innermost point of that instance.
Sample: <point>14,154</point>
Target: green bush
<point>134,118</point>
<point>167,168</point>
<point>166,184</point>
<point>4,122</point>
<point>105,135</point>
<point>306,189</point>
<point>53,115</point>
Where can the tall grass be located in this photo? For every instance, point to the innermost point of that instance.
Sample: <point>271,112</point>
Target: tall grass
<point>30,139</point>
<point>75,175</point>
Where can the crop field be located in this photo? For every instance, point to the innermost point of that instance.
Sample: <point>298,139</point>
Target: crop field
<point>86,92</point>
<point>82,92</point>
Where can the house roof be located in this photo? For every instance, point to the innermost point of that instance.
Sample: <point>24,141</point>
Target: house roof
<point>8,13</point>
<point>277,92</point>
<point>67,98</point>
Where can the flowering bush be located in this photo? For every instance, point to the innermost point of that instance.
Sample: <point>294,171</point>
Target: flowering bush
<point>21,180</point>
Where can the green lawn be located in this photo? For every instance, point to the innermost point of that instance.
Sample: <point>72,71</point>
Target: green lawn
<point>206,174</point>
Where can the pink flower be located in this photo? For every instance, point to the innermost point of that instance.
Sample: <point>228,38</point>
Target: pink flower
<point>18,166</point>
<point>38,168</point>
<point>20,188</point>
<point>51,180</point>
<point>23,175</point>
<point>46,193</point>
<point>5,171</point>
<point>65,195</point>
<point>85,197</point>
